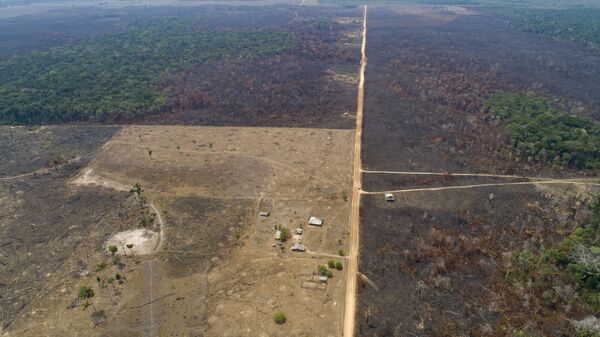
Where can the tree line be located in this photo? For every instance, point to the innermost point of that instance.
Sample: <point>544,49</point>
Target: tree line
<point>114,77</point>
<point>545,134</point>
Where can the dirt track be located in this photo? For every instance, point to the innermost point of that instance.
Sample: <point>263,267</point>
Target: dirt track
<point>350,306</point>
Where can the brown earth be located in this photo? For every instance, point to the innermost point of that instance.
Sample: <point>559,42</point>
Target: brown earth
<point>218,273</point>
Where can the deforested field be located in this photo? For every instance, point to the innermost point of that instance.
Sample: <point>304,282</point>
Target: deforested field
<point>263,102</point>
<point>476,253</point>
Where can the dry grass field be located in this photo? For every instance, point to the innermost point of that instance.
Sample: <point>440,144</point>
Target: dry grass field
<point>218,271</point>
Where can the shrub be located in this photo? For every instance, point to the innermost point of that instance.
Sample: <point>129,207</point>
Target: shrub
<point>339,266</point>
<point>322,270</point>
<point>331,264</point>
<point>341,252</point>
<point>85,292</point>
<point>112,249</point>
<point>279,318</point>
<point>101,266</point>
<point>285,234</point>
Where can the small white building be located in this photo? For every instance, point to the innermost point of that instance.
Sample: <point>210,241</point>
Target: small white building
<point>264,213</point>
<point>389,197</point>
<point>277,235</point>
<point>299,231</point>
<point>298,247</point>
<point>323,278</point>
<point>314,221</point>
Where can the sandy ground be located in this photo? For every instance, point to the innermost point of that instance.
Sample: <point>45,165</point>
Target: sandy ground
<point>144,242</point>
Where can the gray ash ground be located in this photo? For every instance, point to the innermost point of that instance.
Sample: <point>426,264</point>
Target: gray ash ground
<point>437,256</point>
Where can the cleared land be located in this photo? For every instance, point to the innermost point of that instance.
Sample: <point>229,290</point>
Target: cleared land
<point>217,260</point>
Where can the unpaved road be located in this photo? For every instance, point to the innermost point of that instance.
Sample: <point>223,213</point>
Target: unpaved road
<point>574,181</point>
<point>151,311</point>
<point>352,272</point>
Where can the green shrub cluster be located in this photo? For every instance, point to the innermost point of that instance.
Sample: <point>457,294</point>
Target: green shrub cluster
<point>115,76</point>
<point>279,318</point>
<point>324,271</point>
<point>545,134</point>
<point>335,265</point>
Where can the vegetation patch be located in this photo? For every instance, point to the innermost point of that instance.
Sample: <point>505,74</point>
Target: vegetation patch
<point>578,24</point>
<point>279,318</point>
<point>115,77</point>
<point>542,133</point>
<point>566,276</point>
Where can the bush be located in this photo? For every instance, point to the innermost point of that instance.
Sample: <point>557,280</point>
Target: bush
<point>339,266</point>
<point>85,292</point>
<point>101,266</point>
<point>279,318</point>
<point>322,270</point>
<point>331,264</point>
<point>112,249</point>
<point>285,234</point>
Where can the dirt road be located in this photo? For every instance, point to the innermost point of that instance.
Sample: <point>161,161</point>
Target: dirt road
<point>151,311</point>
<point>350,302</point>
<point>460,187</point>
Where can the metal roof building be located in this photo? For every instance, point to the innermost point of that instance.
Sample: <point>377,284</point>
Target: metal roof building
<point>314,221</point>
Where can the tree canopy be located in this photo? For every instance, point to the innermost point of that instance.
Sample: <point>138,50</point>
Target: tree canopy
<point>114,77</point>
<point>578,24</point>
<point>545,134</point>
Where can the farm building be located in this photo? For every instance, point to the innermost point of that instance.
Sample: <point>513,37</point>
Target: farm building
<point>314,221</point>
<point>297,247</point>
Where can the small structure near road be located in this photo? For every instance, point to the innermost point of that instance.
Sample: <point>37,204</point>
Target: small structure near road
<point>264,213</point>
<point>299,231</point>
<point>389,197</point>
<point>277,235</point>
<point>298,247</point>
<point>314,221</point>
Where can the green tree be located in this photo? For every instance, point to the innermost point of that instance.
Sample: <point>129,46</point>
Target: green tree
<point>85,294</point>
<point>113,249</point>
<point>279,318</point>
<point>324,271</point>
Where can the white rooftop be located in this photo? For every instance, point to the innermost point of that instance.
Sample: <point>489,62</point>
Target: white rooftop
<point>315,221</point>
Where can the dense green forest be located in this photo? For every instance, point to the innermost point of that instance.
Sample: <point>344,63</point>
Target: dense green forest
<point>579,24</point>
<point>545,134</point>
<point>113,77</point>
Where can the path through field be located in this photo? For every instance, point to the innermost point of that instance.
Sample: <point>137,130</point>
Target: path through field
<point>150,312</point>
